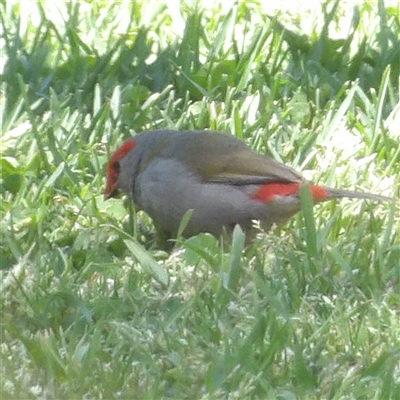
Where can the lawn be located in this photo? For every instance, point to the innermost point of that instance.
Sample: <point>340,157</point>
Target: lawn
<point>92,307</point>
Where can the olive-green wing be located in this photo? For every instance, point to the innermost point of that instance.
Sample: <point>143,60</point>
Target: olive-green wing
<point>222,158</point>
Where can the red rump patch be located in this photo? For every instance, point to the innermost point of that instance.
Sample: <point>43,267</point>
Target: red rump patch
<point>113,168</point>
<point>319,193</point>
<point>269,191</point>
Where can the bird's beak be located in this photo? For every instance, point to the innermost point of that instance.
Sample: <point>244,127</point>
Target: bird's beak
<point>110,191</point>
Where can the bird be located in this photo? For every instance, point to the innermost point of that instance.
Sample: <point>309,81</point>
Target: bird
<point>215,176</point>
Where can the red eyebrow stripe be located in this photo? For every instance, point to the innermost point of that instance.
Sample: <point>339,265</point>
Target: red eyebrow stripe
<point>113,167</point>
<point>269,191</point>
<point>123,150</point>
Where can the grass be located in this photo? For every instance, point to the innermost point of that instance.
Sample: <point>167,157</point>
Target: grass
<point>91,308</point>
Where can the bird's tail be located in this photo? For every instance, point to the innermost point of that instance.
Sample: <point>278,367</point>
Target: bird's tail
<point>268,192</point>
<point>340,193</point>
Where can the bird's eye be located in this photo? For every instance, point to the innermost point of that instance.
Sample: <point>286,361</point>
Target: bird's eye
<point>115,167</point>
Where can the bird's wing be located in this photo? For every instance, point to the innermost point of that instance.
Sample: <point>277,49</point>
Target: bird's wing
<point>223,158</point>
